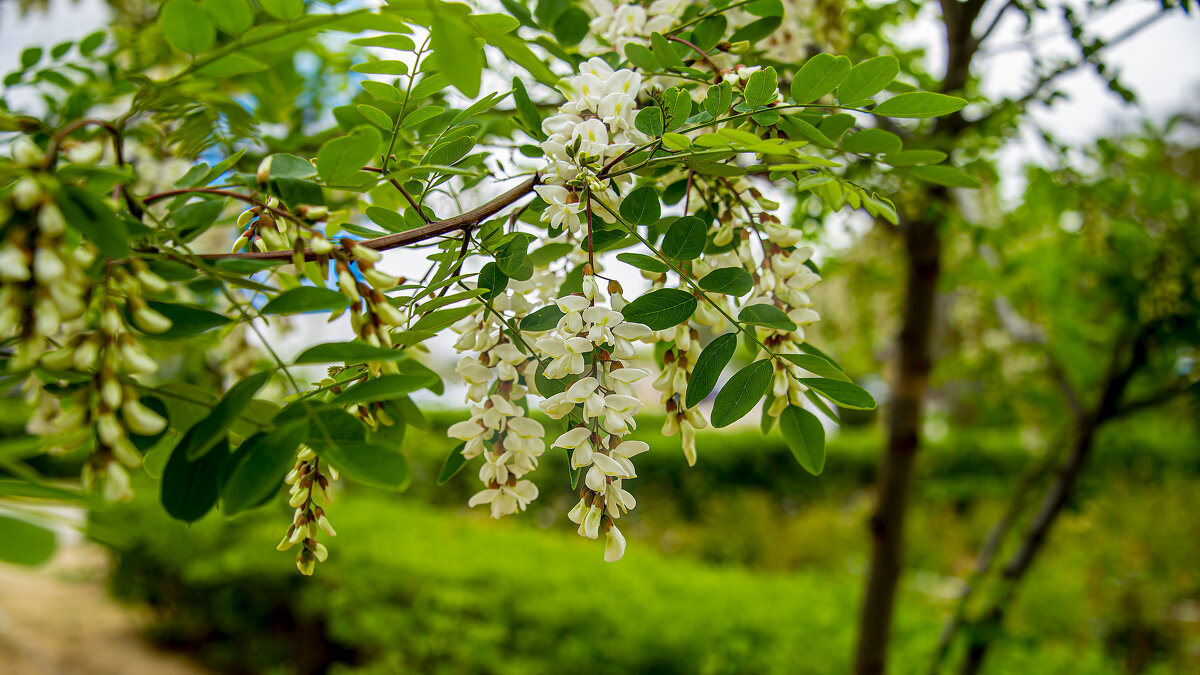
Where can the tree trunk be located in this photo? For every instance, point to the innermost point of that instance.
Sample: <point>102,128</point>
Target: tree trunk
<point>923,247</point>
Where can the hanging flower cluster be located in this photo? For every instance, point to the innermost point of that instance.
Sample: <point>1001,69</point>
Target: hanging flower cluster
<point>45,294</point>
<point>593,128</point>
<point>496,372</point>
<point>307,481</point>
<point>615,25</point>
<point>596,342</point>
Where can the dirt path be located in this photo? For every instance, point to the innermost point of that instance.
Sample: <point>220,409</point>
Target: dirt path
<point>57,620</point>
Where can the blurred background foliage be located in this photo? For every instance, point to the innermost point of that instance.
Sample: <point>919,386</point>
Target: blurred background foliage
<point>757,566</point>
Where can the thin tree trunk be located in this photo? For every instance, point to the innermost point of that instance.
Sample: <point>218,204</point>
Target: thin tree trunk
<point>923,250</point>
<point>1057,497</point>
<point>923,247</point>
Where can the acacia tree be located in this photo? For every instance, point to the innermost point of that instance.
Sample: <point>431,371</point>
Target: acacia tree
<point>192,178</point>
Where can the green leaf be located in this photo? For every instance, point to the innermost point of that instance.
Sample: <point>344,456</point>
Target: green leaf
<point>340,159</point>
<point>30,56</point>
<point>204,434</point>
<point>766,315</point>
<point>512,256</point>
<point>420,115</point>
<point>818,76</point>
<point>641,206</point>
<point>919,104</point>
<point>709,32</point>
<point>527,110</point>
<point>644,262</point>
<point>259,466</point>
<point>741,393</point>
<point>381,67</point>
<point>872,142</point>
<point>661,309</point>
<point>492,279</point>
<point>23,543</point>
<point>844,394</point>
<point>186,320</point>
<point>728,280</point>
<point>798,127</point>
<point>384,388</point>
<point>348,352</point>
<point>664,52</point>
<point>283,9</point>
<point>868,78</point>
<point>944,175</point>
<point>454,463</point>
<point>400,42</point>
<point>85,212</point>
<point>761,87</point>
<point>542,319</point>
<point>756,30</point>
<point>914,157</point>
<point>233,64</point>
<point>306,299</point>
<point>571,27</point>
<point>369,464</point>
<point>520,53</point>
<point>641,56</point>
<point>191,488</point>
<point>685,238</point>
<point>708,368</point>
<point>805,437</point>
<point>818,365</point>
<point>649,121</point>
<point>187,27</point>
<point>388,219</point>
<point>718,98</point>
<point>456,55</point>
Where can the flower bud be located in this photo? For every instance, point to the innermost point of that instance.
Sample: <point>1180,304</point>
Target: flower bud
<point>86,355</point>
<point>137,361</point>
<point>27,193</point>
<point>320,245</point>
<point>366,253</point>
<point>150,321</point>
<point>110,392</point>
<point>14,267</point>
<point>380,280</point>
<point>26,152</point>
<point>739,47</point>
<point>264,170</point>
<point>116,484</point>
<point>50,220</point>
<point>109,430</point>
<point>142,420</point>
<point>47,266</point>
<point>85,153</point>
<point>244,218</point>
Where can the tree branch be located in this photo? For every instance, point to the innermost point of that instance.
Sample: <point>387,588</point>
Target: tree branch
<point>434,229</point>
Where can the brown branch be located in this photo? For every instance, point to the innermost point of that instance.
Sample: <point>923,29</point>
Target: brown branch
<point>703,54</point>
<point>396,184</point>
<point>434,229</point>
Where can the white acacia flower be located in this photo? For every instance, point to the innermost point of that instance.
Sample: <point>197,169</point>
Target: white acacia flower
<point>477,376</point>
<point>578,440</point>
<point>622,453</point>
<point>506,499</point>
<point>619,410</point>
<point>600,321</point>
<point>509,357</point>
<point>566,355</point>
<point>561,404</point>
<point>614,546</point>
<point>592,136</point>
<point>561,211</point>
<point>618,500</point>
<point>525,436</point>
<point>623,379</point>
<point>583,93</point>
<point>501,409</point>
<point>590,525</point>
<point>561,124</point>
<point>494,469</point>
<point>617,110</point>
<point>473,432</point>
<point>572,307</point>
<point>623,336</point>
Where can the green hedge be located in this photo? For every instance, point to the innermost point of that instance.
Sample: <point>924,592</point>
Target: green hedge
<point>410,589</point>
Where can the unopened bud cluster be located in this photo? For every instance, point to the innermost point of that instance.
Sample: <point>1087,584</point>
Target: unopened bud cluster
<point>307,481</point>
